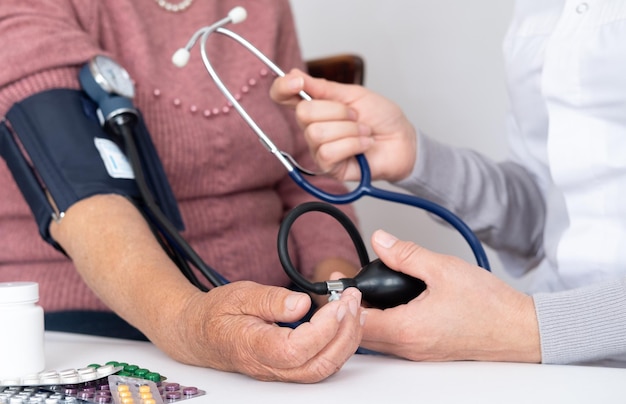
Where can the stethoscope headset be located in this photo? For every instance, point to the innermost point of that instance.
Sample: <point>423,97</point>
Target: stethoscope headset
<point>381,287</point>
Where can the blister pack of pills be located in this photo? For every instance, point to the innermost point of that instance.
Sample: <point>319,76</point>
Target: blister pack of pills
<point>89,392</point>
<point>113,383</point>
<point>127,390</point>
<point>68,376</point>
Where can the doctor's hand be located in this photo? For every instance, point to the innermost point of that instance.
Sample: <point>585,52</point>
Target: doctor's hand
<point>233,329</point>
<point>466,313</point>
<point>345,120</point>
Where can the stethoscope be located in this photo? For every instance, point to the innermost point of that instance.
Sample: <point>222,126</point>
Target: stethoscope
<point>381,286</point>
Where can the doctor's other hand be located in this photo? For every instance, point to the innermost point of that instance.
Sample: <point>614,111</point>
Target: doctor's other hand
<point>344,120</point>
<point>233,329</point>
<point>466,313</point>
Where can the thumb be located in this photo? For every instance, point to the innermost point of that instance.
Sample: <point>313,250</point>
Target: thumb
<point>322,89</point>
<point>404,256</point>
<point>285,90</point>
<point>273,304</point>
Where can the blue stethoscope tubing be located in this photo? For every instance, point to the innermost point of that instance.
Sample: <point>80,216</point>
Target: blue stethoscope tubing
<point>364,187</point>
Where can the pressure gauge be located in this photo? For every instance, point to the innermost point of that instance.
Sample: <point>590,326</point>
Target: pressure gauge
<point>112,77</point>
<point>109,85</point>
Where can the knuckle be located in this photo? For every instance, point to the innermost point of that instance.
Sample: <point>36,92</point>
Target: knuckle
<point>322,368</point>
<point>315,133</point>
<point>325,154</point>
<point>408,253</point>
<point>304,112</point>
<point>291,356</point>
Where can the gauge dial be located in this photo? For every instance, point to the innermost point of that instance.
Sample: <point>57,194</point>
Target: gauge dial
<point>112,77</point>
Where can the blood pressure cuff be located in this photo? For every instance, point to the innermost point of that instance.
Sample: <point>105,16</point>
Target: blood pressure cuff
<point>57,151</point>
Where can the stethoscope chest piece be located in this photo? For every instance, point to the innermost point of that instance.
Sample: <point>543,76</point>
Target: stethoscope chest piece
<point>381,286</point>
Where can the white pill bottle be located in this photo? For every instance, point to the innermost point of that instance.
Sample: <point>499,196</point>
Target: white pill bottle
<point>21,331</point>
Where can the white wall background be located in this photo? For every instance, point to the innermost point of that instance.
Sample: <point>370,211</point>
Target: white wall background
<point>441,61</point>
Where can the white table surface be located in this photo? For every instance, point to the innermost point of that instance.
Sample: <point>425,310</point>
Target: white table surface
<point>364,378</point>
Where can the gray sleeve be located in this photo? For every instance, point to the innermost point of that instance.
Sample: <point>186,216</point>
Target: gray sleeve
<point>500,202</point>
<point>582,324</point>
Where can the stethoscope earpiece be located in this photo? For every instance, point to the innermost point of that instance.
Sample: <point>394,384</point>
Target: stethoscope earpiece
<point>180,58</point>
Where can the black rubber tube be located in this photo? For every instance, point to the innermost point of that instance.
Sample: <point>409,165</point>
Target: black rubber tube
<point>319,288</point>
<point>122,124</point>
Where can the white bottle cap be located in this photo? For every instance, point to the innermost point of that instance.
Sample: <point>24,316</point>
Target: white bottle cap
<point>19,292</point>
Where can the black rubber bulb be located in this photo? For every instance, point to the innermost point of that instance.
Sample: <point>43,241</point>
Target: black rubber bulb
<point>382,287</point>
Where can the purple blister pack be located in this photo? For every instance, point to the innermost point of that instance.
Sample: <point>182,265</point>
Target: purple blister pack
<point>126,389</point>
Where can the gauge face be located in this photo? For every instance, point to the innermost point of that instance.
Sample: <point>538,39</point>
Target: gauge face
<point>112,77</point>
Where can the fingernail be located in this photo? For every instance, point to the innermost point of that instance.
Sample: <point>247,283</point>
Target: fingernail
<point>296,83</point>
<point>363,317</point>
<point>353,305</point>
<point>384,239</point>
<point>341,312</point>
<point>292,301</point>
<point>352,114</point>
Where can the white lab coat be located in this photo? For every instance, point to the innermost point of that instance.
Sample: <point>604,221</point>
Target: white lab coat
<point>558,206</point>
<point>566,70</point>
<point>566,75</point>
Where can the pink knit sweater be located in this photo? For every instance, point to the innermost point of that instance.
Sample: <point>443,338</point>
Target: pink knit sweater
<point>231,191</point>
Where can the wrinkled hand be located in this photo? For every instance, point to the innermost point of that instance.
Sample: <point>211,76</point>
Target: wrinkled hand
<point>232,328</point>
<point>466,313</point>
<point>345,120</point>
